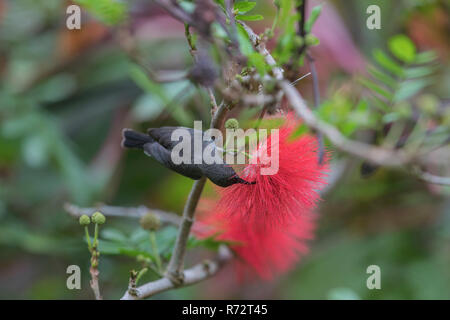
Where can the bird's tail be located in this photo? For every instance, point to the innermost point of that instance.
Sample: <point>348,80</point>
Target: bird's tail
<point>133,139</point>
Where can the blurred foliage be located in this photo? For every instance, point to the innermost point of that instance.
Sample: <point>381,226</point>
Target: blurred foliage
<point>65,96</point>
<point>395,95</point>
<point>110,12</point>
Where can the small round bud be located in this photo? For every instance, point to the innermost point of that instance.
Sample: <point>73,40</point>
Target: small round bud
<point>150,222</point>
<point>98,218</point>
<point>84,220</point>
<point>311,40</point>
<point>269,33</point>
<point>299,41</point>
<point>232,123</point>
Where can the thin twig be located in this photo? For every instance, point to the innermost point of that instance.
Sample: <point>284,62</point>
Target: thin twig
<point>431,178</point>
<point>214,106</point>
<point>316,92</point>
<point>176,11</point>
<point>301,9</point>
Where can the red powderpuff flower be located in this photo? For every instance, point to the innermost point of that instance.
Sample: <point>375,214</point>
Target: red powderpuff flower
<point>264,251</point>
<point>268,223</point>
<point>278,199</point>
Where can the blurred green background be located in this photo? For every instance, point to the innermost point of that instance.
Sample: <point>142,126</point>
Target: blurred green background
<point>66,95</point>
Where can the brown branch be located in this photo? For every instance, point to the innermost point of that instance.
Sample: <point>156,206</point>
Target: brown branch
<point>198,273</point>
<point>175,268</point>
<point>94,282</point>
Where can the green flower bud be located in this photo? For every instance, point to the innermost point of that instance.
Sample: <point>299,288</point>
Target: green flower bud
<point>299,41</point>
<point>232,123</point>
<point>269,33</point>
<point>311,40</point>
<point>150,222</point>
<point>85,220</point>
<point>98,218</point>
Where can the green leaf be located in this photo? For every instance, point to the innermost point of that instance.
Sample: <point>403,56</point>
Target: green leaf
<point>402,48</point>
<point>286,41</point>
<point>244,42</point>
<point>387,63</point>
<point>425,57</point>
<point>298,132</point>
<point>255,17</point>
<point>140,78</point>
<point>257,60</point>
<point>170,95</point>
<point>35,150</point>
<point>382,77</point>
<point>312,40</point>
<point>221,3</point>
<point>244,6</point>
<point>391,117</point>
<point>147,107</point>
<point>110,12</point>
<point>114,235</point>
<point>409,89</point>
<point>108,247</point>
<point>379,103</point>
<point>138,236</point>
<point>187,6</point>
<point>210,243</point>
<point>419,72</point>
<point>376,88</point>
<point>285,14</point>
<point>315,13</point>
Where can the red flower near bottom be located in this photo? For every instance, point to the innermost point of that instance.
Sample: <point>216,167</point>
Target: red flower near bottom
<point>264,251</point>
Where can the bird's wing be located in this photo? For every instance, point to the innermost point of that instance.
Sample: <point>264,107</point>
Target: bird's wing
<point>163,156</point>
<point>164,135</point>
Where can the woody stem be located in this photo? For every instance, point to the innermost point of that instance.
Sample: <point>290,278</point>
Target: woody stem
<point>176,264</point>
